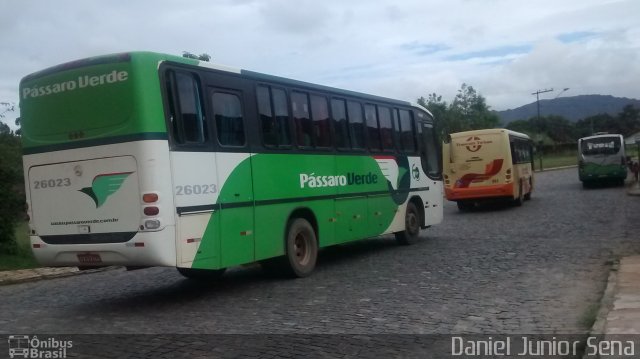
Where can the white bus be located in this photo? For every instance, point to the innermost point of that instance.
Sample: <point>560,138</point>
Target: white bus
<point>144,159</point>
<point>601,157</point>
<point>488,164</point>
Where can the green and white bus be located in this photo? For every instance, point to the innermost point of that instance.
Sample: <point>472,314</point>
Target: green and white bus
<point>145,159</point>
<point>601,157</point>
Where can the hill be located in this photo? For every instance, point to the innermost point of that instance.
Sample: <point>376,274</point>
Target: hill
<point>572,108</point>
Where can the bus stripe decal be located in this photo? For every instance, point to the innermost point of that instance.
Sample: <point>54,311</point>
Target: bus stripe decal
<point>266,202</point>
<point>97,142</point>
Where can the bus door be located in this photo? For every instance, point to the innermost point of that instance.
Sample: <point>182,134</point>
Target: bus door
<point>234,172</point>
<point>193,171</point>
<point>211,172</point>
<point>431,175</point>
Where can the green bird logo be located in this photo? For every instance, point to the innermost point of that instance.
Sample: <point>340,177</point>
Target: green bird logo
<point>104,185</point>
<point>415,172</point>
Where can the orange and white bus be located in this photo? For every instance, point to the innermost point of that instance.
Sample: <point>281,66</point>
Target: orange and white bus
<point>487,164</point>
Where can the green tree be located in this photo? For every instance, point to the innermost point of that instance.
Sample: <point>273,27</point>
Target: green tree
<point>592,124</point>
<point>629,120</point>
<point>468,111</point>
<point>11,187</point>
<point>6,107</point>
<point>524,126</point>
<point>439,110</point>
<point>201,57</point>
<point>472,111</point>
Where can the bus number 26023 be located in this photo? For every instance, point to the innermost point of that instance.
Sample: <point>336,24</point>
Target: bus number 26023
<point>52,183</point>
<point>191,189</point>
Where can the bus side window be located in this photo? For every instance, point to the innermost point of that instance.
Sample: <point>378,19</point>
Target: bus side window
<point>356,124</point>
<point>429,151</point>
<point>406,127</point>
<point>267,121</point>
<point>340,125</point>
<point>520,152</point>
<point>397,133</point>
<point>227,112</point>
<point>274,119</point>
<point>281,111</point>
<point>302,119</point>
<point>187,119</point>
<point>386,128</point>
<point>372,127</point>
<point>320,118</point>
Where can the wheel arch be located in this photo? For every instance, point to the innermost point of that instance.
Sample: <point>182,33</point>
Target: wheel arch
<point>307,214</point>
<point>417,201</point>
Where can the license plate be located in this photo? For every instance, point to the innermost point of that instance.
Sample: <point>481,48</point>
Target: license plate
<point>89,258</point>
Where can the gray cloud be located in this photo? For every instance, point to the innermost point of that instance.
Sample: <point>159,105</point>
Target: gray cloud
<point>397,49</point>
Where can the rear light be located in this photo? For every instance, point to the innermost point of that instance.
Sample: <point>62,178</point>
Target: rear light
<point>150,197</point>
<point>152,224</point>
<point>151,211</point>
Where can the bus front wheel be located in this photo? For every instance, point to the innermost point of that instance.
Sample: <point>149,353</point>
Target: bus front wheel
<point>302,248</point>
<point>412,222</point>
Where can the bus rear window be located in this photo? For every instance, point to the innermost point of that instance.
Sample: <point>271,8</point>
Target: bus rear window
<point>78,103</point>
<point>472,148</point>
<point>600,146</point>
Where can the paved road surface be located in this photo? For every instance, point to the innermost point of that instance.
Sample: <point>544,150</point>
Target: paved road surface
<point>539,268</point>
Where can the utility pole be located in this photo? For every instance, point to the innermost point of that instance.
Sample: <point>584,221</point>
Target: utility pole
<point>537,93</point>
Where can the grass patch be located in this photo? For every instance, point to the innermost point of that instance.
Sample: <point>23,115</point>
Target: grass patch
<point>590,315</point>
<point>23,258</point>
<point>557,160</point>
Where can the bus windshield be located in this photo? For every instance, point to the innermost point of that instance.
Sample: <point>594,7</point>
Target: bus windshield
<point>600,146</point>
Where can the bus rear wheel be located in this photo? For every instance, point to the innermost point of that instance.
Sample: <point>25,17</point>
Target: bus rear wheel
<point>520,199</point>
<point>412,222</point>
<point>201,274</point>
<point>527,196</point>
<point>464,206</point>
<point>301,248</point>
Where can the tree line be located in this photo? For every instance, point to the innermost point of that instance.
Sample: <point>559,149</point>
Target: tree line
<point>12,197</point>
<point>558,130</point>
<point>469,111</point>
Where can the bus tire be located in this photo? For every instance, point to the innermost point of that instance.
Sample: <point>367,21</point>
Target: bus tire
<point>201,274</point>
<point>520,199</point>
<point>527,196</point>
<point>464,206</point>
<point>412,221</point>
<point>301,248</point>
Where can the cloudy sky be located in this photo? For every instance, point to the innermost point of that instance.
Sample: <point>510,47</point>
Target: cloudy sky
<point>404,49</point>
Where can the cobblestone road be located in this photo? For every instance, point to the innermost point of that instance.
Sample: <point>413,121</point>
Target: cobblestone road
<point>540,268</point>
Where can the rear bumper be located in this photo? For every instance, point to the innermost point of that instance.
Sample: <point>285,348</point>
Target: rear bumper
<point>144,249</point>
<point>457,194</point>
<point>621,174</point>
